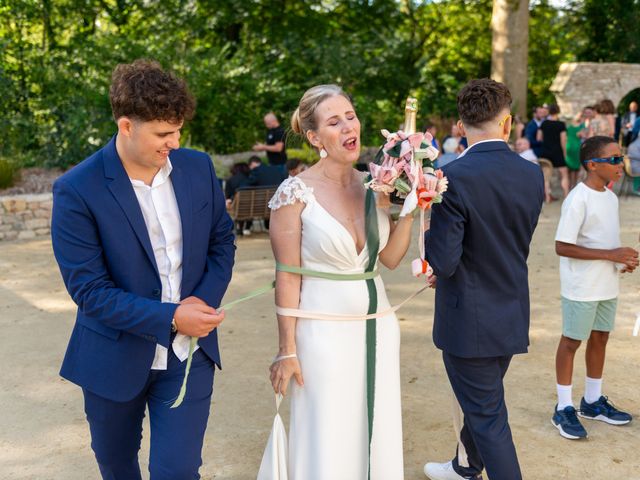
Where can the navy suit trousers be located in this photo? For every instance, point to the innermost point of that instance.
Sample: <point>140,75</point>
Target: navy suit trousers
<point>477,384</point>
<point>176,434</point>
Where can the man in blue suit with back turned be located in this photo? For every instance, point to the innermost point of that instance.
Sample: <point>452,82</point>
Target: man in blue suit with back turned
<point>478,246</point>
<point>145,248</point>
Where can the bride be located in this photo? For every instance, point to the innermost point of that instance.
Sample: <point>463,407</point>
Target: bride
<point>344,425</point>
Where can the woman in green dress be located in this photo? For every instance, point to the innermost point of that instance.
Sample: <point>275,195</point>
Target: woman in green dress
<point>576,130</point>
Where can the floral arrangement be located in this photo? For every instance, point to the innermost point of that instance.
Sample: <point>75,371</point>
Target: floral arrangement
<point>404,166</point>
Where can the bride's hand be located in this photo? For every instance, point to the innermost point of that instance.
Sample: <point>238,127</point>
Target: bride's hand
<point>281,373</point>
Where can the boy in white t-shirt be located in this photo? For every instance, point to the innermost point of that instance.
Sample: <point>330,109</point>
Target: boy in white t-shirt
<point>588,242</point>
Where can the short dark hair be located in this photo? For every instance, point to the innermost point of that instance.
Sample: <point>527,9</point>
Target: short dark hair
<point>554,109</point>
<point>293,163</point>
<point>240,167</point>
<point>592,148</point>
<point>144,91</point>
<point>481,100</point>
<point>254,159</point>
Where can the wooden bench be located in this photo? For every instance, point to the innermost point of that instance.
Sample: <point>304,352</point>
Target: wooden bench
<point>251,203</point>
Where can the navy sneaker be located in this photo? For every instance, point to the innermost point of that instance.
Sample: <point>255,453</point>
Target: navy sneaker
<point>603,410</point>
<point>567,423</point>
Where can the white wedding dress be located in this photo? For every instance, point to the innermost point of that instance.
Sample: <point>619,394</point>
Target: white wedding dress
<point>328,432</point>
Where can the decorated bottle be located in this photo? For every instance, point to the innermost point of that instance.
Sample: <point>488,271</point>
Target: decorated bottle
<point>410,112</point>
<point>409,127</point>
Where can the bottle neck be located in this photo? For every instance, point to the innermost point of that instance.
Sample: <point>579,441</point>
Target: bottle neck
<point>409,121</point>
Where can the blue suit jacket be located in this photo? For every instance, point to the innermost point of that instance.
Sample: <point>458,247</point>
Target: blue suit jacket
<point>478,246</point>
<point>531,132</point>
<point>101,243</point>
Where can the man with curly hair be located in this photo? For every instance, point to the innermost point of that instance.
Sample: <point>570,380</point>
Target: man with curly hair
<point>145,248</point>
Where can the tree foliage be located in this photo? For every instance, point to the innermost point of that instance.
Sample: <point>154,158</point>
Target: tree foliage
<point>243,58</point>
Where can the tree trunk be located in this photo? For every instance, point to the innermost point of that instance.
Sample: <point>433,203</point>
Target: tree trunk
<point>510,48</point>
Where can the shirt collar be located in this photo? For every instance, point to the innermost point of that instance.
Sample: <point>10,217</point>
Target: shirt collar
<point>160,177</point>
<point>464,152</point>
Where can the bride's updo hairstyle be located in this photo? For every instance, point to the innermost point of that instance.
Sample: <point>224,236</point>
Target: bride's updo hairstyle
<point>304,118</point>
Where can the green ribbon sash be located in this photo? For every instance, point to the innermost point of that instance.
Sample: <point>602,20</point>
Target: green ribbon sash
<point>373,244</point>
<point>326,275</point>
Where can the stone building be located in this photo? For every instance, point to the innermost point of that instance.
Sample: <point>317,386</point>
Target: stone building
<point>580,84</point>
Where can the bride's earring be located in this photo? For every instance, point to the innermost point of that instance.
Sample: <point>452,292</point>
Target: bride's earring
<point>323,153</point>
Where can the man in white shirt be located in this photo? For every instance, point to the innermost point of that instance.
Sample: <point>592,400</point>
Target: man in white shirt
<point>145,248</point>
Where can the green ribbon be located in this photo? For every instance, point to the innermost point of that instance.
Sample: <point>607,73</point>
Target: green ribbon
<point>194,340</point>
<point>373,244</point>
<point>327,275</point>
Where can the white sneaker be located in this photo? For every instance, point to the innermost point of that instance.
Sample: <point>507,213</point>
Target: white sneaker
<point>441,471</point>
<point>246,233</point>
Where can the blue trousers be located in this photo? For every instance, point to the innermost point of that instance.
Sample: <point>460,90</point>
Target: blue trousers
<point>486,435</point>
<point>176,434</point>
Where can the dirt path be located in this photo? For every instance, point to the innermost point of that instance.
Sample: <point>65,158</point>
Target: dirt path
<point>43,433</point>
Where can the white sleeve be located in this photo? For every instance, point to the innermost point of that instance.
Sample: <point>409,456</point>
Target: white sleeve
<point>571,219</point>
<point>290,191</point>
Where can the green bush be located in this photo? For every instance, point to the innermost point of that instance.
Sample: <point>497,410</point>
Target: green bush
<point>306,154</point>
<point>8,173</point>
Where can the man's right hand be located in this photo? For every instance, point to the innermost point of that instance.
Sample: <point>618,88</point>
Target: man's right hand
<point>197,320</point>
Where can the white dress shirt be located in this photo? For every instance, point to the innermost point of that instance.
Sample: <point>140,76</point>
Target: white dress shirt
<point>162,218</point>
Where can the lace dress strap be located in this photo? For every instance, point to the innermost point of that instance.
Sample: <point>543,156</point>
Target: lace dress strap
<point>290,191</point>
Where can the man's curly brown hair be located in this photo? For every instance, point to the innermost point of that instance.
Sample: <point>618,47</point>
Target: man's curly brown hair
<point>481,100</point>
<point>142,90</point>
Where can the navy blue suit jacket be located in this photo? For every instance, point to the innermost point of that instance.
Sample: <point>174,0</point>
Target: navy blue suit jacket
<point>478,245</point>
<point>531,132</point>
<point>102,246</point>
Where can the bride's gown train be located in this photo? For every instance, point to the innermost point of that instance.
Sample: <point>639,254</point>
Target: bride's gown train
<point>328,433</point>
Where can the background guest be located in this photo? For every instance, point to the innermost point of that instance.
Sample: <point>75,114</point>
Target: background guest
<point>262,175</point>
<point>634,155</point>
<point>433,130</point>
<point>295,166</point>
<point>531,130</point>
<point>603,124</point>
<point>523,148</point>
<point>460,141</point>
<point>628,119</point>
<point>449,153</point>
<point>552,134</point>
<point>239,178</point>
<point>576,131</point>
<point>274,144</point>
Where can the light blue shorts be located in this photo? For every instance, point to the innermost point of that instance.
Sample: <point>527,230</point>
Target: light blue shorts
<point>579,318</point>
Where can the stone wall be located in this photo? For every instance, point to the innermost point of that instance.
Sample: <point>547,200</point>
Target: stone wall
<point>584,83</point>
<point>25,216</point>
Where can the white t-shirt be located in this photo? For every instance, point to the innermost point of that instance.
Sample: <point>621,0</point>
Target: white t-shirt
<point>589,219</point>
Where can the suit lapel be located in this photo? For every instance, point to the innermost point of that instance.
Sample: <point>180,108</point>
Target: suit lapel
<point>182,189</point>
<point>122,190</point>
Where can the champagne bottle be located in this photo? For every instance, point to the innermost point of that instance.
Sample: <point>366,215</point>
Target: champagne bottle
<point>409,127</point>
<point>410,112</point>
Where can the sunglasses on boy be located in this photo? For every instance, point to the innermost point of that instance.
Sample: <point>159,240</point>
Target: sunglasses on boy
<point>610,160</point>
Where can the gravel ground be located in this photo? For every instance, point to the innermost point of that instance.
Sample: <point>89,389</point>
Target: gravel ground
<point>43,433</point>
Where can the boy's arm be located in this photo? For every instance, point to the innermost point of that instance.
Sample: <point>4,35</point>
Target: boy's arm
<point>625,255</point>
